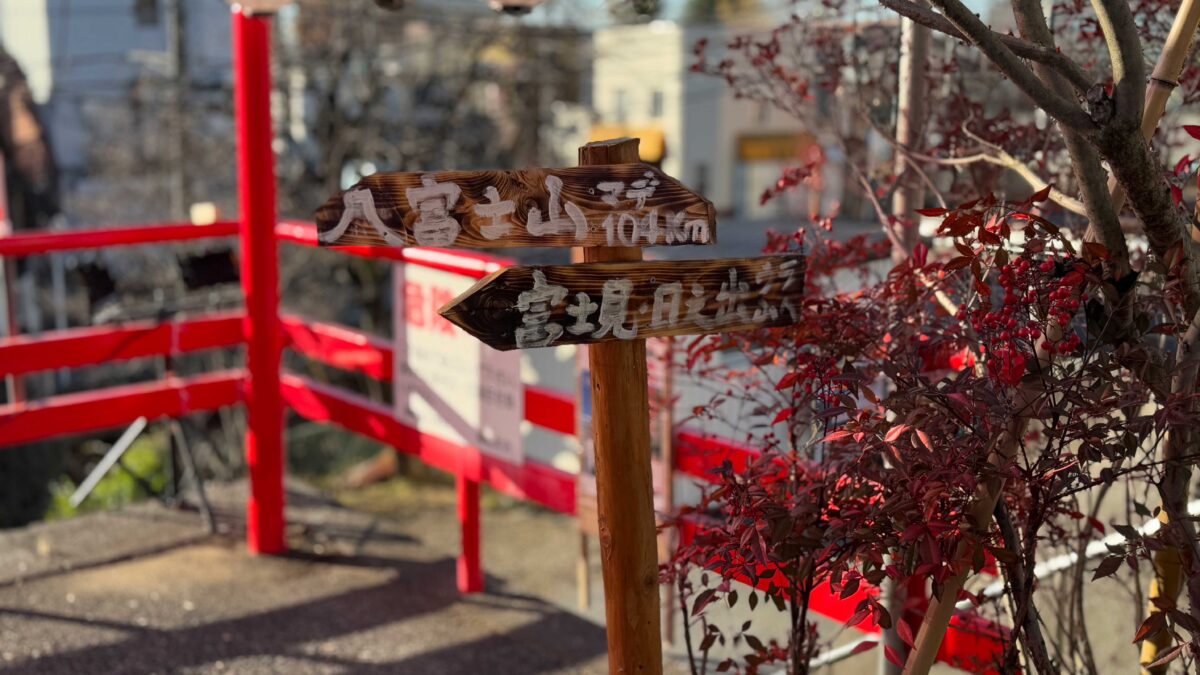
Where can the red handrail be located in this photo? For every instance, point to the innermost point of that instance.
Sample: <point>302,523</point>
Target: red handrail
<point>41,242</point>
<point>77,347</point>
<point>532,481</point>
<point>111,407</point>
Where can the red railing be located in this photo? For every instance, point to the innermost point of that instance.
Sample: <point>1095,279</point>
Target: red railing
<point>40,243</point>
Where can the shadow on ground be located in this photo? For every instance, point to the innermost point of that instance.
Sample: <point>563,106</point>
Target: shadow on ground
<point>356,595</point>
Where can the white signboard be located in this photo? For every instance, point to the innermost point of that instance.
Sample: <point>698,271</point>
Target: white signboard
<point>447,383</point>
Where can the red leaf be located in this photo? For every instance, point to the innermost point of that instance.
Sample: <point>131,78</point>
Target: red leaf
<point>1107,567</point>
<point>1176,195</point>
<point>1096,249</point>
<point>1170,656</point>
<point>787,380</point>
<point>1151,626</point>
<point>990,238</point>
<point>924,438</point>
<point>932,213</point>
<point>837,435</point>
<point>905,632</point>
<point>896,432</point>
<point>1192,130</point>
<point>957,263</point>
<point>893,656</point>
<point>1183,164</point>
<point>858,617</point>
<point>1041,195</point>
<point>863,646</point>
<point>783,415</point>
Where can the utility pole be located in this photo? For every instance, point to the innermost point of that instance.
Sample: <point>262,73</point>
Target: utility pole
<point>180,81</point>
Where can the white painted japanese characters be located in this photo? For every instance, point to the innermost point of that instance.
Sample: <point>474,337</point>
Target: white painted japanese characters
<point>523,308</point>
<point>630,205</point>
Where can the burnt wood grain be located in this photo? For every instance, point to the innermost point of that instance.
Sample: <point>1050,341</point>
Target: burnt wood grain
<point>526,307</point>
<point>624,205</point>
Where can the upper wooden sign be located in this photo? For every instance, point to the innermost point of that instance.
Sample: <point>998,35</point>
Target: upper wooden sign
<point>524,307</point>
<point>613,205</point>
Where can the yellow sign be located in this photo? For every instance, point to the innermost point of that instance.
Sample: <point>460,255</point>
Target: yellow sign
<point>774,146</point>
<point>652,148</point>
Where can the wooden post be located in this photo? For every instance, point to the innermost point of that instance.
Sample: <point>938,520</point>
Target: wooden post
<point>470,568</point>
<point>666,446</point>
<point>625,499</point>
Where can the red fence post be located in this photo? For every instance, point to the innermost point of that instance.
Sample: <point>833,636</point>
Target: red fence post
<point>470,567</point>
<point>260,281</point>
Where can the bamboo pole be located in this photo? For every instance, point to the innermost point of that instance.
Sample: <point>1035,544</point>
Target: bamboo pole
<point>624,492</point>
<point>912,112</point>
<point>666,445</point>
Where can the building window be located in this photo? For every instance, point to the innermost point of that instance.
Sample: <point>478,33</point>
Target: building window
<point>622,106</point>
<point>656,103</point>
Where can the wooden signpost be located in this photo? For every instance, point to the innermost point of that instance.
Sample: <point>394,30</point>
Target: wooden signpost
<point>611,206</point>
<point>628,205</point>
<point>527,307</point>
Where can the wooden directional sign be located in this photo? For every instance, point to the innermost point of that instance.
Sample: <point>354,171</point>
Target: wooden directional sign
<point>630,205</point>
<point>525,307</point>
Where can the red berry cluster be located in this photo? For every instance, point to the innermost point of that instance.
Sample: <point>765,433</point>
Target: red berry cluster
<point>1064,298</point>
<point>1010,331</point>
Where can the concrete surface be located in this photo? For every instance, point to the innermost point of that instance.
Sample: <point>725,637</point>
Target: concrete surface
<point>145,590</point>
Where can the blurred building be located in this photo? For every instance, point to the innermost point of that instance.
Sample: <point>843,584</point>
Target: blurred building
<point>80,55</point>
<point>695,126</point>
<point>692,124</point>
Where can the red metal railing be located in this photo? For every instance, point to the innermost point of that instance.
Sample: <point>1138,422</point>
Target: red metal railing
<point>40,243</point>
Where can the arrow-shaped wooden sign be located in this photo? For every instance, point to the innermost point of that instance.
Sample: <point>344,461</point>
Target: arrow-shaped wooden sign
<point>610,207</point>
<point>525,307</point>
<point>632,205</point>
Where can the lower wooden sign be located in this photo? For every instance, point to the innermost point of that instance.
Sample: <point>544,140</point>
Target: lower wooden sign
<point>528,307</point>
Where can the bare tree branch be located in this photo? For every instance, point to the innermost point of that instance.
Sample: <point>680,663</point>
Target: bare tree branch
<point>1068,113</point>
<point>1076,75</point>
<point>1085,160</point>
<point>1125,52</point>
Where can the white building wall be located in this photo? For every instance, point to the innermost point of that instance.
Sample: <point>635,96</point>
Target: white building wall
<point>631,63</point>
<point>25,33</point>
<point>701,118</point>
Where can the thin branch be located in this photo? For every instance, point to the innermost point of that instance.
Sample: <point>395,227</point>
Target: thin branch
<point>1076,75</point>
<point>1000,157</point>
<point>1125,51</point>
<point>1020,585</point>
<point>1105,223</point>
<point>937,194</point>
<point>1068,113</point>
